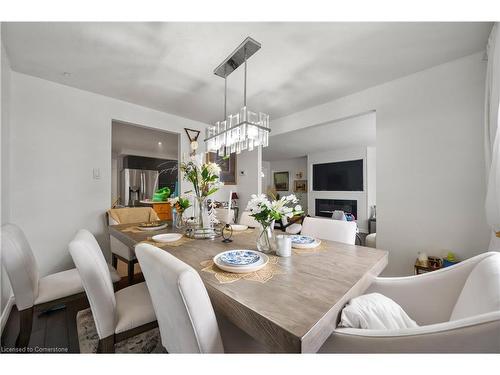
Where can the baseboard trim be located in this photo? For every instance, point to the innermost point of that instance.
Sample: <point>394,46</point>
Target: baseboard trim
<point>6,312</point>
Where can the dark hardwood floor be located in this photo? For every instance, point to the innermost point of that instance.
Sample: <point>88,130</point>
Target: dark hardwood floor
<point>54,331</point>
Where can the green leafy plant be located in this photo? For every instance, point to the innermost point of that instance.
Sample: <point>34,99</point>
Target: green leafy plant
<point>180,203</point>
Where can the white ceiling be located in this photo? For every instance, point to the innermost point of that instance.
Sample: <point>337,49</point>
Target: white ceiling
<point>169,66</point>
<point>355,131</point>
<point>128,139</point>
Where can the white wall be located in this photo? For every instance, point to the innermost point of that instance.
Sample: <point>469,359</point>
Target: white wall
<point>250,162</point>
<point>351,153</point>
<point>5,132</point>
<point>266,180</point>
<point>371,177</point>
<point>58,135</point>
<point>5,94</point>
<point>292,166</point>
<point>430,160</point>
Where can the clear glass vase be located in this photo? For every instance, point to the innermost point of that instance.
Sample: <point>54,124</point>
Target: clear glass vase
<point>179,219</point>
<point>200,227</point>
<point>266,240</point>
<point>202,212</point>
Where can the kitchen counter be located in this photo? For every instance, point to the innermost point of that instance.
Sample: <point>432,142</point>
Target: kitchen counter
<point>162,208</point>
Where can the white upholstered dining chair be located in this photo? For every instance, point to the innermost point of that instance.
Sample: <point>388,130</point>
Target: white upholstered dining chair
<point>329,229</point>
<point>127,215</point>
<point>248,220</point>
<point>119,315</point>
<point>33,293</point>
<point>221,214</point>
<point>457,309</point>
<point>186,318</point>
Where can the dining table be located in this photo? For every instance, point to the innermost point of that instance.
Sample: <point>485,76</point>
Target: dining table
<point>294,311</point>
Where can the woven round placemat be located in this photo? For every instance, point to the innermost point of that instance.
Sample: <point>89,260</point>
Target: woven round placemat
<point>262,276</point>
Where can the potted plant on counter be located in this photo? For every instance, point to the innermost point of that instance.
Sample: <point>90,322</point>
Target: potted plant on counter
<point>180,204</point>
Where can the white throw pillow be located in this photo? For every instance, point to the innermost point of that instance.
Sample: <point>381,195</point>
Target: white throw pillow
<point>375,311</point>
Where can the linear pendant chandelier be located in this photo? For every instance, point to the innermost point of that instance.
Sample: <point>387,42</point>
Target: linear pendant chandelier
<point>245,129</point>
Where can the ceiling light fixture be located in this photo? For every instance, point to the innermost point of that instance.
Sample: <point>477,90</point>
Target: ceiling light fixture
<point>159,143</point>
<point>245,129</point>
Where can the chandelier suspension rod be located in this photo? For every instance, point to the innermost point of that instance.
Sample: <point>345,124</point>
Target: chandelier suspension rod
<point>245,82</point>
<point>225,97</point>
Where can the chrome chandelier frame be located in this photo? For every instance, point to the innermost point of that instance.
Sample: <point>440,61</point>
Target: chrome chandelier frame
<point>244,129</point>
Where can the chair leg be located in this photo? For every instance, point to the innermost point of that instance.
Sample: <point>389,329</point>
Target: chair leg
<point>106,345</point>
<point>130,265</point>
<point>25,325</point>
<point>114,261</point>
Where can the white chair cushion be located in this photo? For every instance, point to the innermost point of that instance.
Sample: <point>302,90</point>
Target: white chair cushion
<point>375,311</point>
<point>59,285</point>
<point>294,228</point>
<point>481,292</point>
<point>64,284</point>
<point>133,307</point>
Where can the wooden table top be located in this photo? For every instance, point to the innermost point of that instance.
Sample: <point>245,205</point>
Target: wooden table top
<point>293,312</point>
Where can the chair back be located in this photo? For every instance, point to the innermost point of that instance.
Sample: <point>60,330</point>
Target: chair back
<point>246,219</point>
<point>183,309</point>
<point>130,215</point>
<point>96,280</point>
<point>221,214</point>
<point>329,229</point>
<point>20,264</point>
<point>481,291</point>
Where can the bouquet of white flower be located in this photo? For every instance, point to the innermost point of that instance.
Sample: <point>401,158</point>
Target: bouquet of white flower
<point>266,212</point>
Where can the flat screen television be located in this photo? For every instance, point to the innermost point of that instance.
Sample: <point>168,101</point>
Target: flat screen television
<point>339,176</point>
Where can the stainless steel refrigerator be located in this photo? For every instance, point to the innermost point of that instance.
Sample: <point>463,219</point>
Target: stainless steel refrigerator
<point>137,185</point>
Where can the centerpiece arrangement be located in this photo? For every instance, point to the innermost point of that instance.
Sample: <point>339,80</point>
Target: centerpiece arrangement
<point>266,212</point>
<point>205,180</point>
<point>180,204</point>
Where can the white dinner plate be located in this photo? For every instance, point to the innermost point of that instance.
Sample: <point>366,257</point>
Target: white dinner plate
<point>239,227</point>
<point>159,227</point>
<point>261,263</point>
<point>167,237</point>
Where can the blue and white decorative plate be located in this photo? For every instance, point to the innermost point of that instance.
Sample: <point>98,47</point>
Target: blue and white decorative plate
<point>304,242</point>
<point>239,257</point>
<point>252,267</point>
